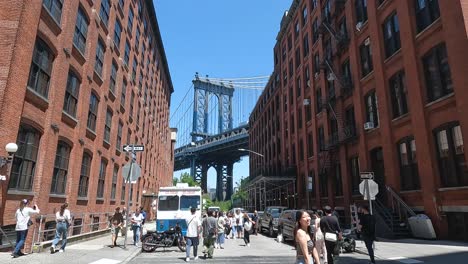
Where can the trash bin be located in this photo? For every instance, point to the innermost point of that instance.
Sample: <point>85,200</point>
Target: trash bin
<point>421,226</point>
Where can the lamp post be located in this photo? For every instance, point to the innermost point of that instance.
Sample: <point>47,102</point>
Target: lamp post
<point>262,170</point>
<point>11,149</point>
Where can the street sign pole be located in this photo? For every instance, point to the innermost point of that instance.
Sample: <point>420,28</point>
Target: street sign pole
<point>128,198</point>
<point>368,195</point>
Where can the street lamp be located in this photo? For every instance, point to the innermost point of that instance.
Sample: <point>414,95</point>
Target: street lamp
<point>11,149</point>
<point>251,151</point>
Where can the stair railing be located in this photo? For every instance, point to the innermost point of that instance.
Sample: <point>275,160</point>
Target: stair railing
<point>382,213</point>
<point>399,206</point>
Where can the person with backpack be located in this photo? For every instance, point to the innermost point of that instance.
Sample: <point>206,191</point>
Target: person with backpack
<point>227,225</point>
<point>247,224</point>
<point>220,236</point>
<point>23,222</point>
<point>332,233</point>
<point>143,214</point>
<point>210,231</point>
<point>238,223</point>
<point>116,222</point>
<point>193,231</point>
<point>63,219</point>
<point>367,228</point>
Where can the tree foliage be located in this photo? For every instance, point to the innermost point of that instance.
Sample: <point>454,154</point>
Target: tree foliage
<point>185,178</point>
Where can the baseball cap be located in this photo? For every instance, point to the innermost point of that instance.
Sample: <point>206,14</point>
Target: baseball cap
<point>25,201</point>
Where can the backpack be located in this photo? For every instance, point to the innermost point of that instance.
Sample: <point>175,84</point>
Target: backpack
<point>248,226</point>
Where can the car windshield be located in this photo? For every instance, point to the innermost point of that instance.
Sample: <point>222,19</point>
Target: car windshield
<point>168,203</point>
<point>276,211</point>
<point>187,202</point>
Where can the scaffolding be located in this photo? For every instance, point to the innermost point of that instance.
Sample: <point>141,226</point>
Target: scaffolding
<point>265,191</point>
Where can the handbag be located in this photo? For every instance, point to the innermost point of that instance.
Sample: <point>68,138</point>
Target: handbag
<point>331,237</point>
<point>248,226</point>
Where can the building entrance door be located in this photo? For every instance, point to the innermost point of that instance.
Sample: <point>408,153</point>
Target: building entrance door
<point>377,163</point>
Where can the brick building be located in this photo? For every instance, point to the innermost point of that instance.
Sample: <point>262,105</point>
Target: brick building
<point>371,86</point>
<point>78,79</point>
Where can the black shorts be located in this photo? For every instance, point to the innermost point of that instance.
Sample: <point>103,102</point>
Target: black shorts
<point>194,241</point>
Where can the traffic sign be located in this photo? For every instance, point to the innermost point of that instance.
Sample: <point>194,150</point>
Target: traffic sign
<point>372,187</point>
<point>367,175</point>
<point>131,148</point>
<point>134,175</point>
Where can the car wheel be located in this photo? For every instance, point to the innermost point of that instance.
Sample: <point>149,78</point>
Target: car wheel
<point>271,232</point>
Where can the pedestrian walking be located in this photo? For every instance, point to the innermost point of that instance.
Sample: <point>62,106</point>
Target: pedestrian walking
<point>143,213</point>
<point>136,220</point>
<point>233,226</point>
<point>23,222</point>
<point>306,253</point>
<point>332,233</point>
<point>227,225</point>
<point>210,230</point>
<point>320,239</point>
<point>220,235</point>
<point>63,219</point>
<point>367,228</point>
<point>255,222</point>
<point>117,221</point>
<point>247,225</point>
<point>193,233</point>
<point>238,218</point>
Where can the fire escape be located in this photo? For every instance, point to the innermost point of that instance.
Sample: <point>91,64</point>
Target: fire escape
<point>342,129</point>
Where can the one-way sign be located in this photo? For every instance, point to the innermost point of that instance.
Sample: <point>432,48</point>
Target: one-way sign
<point>131,148</point>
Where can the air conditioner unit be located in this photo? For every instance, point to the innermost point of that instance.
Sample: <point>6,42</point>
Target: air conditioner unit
<point>367,42</point>
<point>306,102</point>
<point>368,125</point>
<point>316,75</point>
<point>359,26</point>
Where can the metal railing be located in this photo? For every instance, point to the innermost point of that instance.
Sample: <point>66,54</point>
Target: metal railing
<point>7,237</point>
<point>81,224</point>
<point>398,205</point>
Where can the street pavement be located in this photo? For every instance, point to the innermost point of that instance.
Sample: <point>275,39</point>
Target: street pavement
<point>263,250</point>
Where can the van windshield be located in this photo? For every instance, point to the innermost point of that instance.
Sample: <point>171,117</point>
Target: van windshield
<point>168,203</point>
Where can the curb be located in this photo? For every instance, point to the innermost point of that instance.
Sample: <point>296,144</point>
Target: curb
<point>131,256</point>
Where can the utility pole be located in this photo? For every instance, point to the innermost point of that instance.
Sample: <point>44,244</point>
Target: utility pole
<point>128,198</point>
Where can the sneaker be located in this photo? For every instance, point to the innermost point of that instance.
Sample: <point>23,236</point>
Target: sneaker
<point>21,253</point>
<point>52,249</point>
<point>248,244</point>
<point>195,258</point>
<point>14,255</point>
<point>187,259</point>
<point>61,250</point>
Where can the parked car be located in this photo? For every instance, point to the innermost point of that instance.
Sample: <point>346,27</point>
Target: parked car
<point>269,219</point>
<point>287,223</point>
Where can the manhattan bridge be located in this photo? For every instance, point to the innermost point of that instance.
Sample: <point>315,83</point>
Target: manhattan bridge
<point>212,122</point>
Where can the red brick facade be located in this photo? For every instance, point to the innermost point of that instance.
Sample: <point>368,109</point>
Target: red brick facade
<point>283,124</point>
<point>22,25</point>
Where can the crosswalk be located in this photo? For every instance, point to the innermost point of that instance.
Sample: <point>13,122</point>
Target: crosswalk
<point>142,259</point>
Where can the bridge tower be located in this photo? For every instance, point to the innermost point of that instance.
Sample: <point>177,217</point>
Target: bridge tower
<point>224,169</point>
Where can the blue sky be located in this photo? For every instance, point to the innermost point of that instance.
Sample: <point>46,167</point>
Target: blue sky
<point>221,38</point>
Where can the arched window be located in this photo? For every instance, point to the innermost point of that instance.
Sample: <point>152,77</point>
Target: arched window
<point>81,31</point>
<point>72,92</point>
<point>24,163</point>
<point>59,178</point>
<point>84,175</point>
<point>41,69</point>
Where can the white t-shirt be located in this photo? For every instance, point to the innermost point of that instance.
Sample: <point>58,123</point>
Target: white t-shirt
<point>23,216</point>
<point>65,216</point>
<point>137,219</point>
<point>238,216</point>
<point>192,225</point>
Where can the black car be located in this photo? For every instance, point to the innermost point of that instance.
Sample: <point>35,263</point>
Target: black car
<point>287,223</point>
<point>269,219</point>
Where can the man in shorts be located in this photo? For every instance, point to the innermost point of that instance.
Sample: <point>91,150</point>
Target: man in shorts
<point>116,225</point>
<point>238,218</point>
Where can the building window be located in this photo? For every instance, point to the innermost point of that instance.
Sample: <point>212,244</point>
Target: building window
<point>323,182</point>
<point>349,122</point>
<point>306,45</point>
<point>113,77</point>
<point>318,100</point>
<point>299,119</point>
<point>134,69</point>
<point>81,30</point>
<point>121,4</point>
<point>437,71</point>
<point>114,182</point>
<point>123,93</point>
<point>338,181</point>
<point>137,39</point>
<point>118,144</point>
<point>304,15</point>
<point>59,178</point>
<point>292,124</point>
<point>342,29</point>
<point>108,125</point>
<point>316,65</point>
<point>84,175</point>
<point>101,179</point>
<point>297,28</point>
<point>41,68</point>
<point>427,11</point>
<point>310,145</point>
<point>298,87</point>
<point>391,33</point>
<point>130,21</point>
<point>55,9</point>
<point>132,98</point>
<point>24,161</point>
<point>321,139</point>
<point>346,72</point>
<point>301,150</point>
<point>398,94</point>
<point>70,101</point>
<point>451,156</point>
<point>308,110</point>
<point>307,77</point>
<point>315,31</point>
<point>105,10</point>
<point>361,11</point>
<point>117,33</point>
<point>371,109</point>
<point>99,57</point>
<point>409,174</point>
<point>354,173</point>
<point>327,11</point>
<point>298,58</point>
<point>122,194</point>
<point>127,52</point>
<point>92,112</point>
<point>366,57</point>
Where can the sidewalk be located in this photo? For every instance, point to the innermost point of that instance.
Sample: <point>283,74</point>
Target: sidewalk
<point>417,250</point>
<point>95,251</point>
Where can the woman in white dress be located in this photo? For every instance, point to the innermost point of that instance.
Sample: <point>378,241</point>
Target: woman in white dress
<point>320,239</point>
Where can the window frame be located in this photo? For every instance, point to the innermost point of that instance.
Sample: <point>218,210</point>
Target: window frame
<point>408,164</point>
<point>101,179</point>
<point>437,58</point>
<point>430,12</point>
<point>398,94</point>
<point>100,52</point>
<point>54,6</point>
<point>108,125</point>
<point>391,35</point>
<point>38,69</point>
<point>117,33</point>
<point>365,54</point>
<point>372,108</point>
<point>92,112</point>
<point>62,158</point>
<point>72,93</point>
<point>83,184</point>
<point>81,31</point>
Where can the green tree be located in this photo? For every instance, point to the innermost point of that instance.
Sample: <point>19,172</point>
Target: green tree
<point>186,178</point>
<point>175,180</point>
